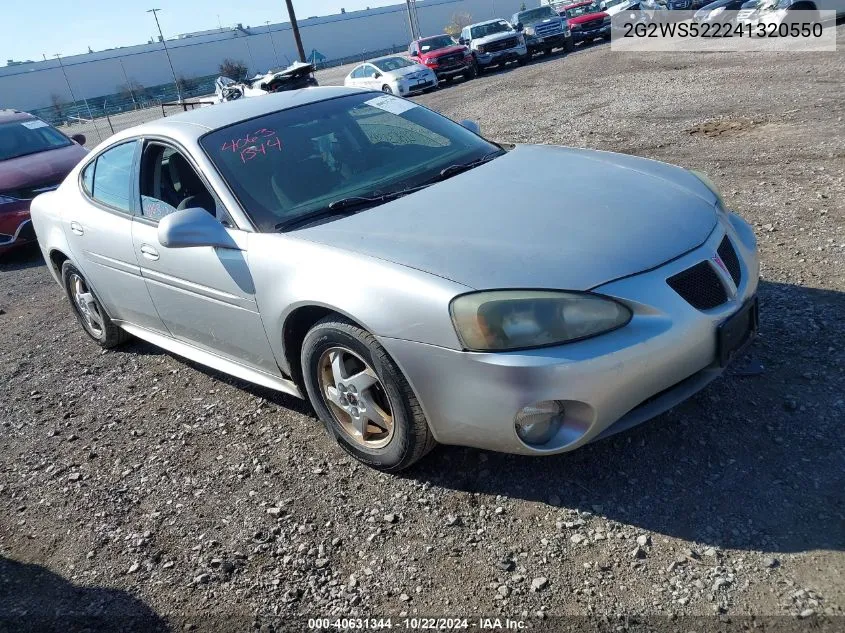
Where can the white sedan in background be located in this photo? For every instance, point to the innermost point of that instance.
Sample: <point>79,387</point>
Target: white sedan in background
<point>392,74</point>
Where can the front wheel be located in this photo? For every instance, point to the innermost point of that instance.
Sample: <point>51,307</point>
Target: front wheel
<point>88,311</point>
<point>362,397</point>
<point>387,89</point>
<point>471,73</point>
<point>569,46</point>
<point>523,60</point>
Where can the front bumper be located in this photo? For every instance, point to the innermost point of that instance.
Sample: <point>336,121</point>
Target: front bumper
<point>501,57</point>
<point>558,40</point>
<point>15,225</point>
<point>580,35</point>
<point>607,384</point>
<point>451,71</point>
<point>405,89</point>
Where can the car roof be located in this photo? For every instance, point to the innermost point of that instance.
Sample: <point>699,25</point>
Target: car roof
<point>7,116</point>
<point>488,22</point>
<point>213,117</point>
<point>377,59</point>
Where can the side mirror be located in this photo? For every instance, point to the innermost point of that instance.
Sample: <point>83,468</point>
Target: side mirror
<point>472,126</point>
<point>377,75</point>
<point>193,227</point>
<point>519,26</point>
<point>79,139</point>
<point>463,41</point>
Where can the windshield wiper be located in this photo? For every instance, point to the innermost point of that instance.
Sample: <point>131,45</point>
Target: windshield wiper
<point>347,206</point>
<point>452,170</point>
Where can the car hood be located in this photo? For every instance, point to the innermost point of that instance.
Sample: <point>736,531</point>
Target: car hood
<point>440,52</point>
<point>495,37</point>
<point>590,17</point>
<point>32,170</point>
<point>539,216</point>
<point>408,71</point>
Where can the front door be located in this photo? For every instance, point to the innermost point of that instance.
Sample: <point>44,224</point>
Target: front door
<point>204,295</point>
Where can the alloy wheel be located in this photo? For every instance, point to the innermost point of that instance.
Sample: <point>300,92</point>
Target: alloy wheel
<point>356,397</point>
<point>87,305</point>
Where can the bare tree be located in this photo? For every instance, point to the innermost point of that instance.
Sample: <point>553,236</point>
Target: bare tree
<point>187,84</point>
<point>459,21</point>
<point>133,90</point>
<point>233,69</point>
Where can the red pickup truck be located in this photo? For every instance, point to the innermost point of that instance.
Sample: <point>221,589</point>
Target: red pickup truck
<point>443,56</point>
<point>586,20</point>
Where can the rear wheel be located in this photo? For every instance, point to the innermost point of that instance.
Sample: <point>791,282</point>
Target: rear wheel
<point>362,397</point>
<point>88,311</point>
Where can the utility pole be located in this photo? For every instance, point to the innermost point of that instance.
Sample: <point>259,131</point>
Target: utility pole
<point>413,19</point>
<point>167,52</point>
<point>128,83</point>
<point>67,81</point>
<point>275,52</point>
<point>249,50</point>
<point>295,28</point>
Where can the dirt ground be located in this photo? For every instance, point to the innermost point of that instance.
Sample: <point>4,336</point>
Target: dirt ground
<point>151,493</point>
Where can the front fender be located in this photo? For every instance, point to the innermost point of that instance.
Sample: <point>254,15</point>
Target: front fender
<point>45,211</point>
<point>387,299</point>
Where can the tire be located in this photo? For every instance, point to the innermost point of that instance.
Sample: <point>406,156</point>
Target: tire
<point>548,52</point>
<point>523,60</point>
<point>98,325</point>
<point>386,89</point>
<point>569,46</point>
<point>447,79</point>
<point>471,73</point>
<point>410,438</point>
<point>606,37</point>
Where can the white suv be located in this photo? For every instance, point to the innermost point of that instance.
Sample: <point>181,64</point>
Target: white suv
<point>494,43</point>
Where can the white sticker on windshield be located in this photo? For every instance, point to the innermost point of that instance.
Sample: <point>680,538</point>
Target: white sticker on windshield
<point>33,125</point>
<point>391,104</point>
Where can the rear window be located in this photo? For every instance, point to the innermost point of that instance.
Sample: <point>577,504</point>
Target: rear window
<point>20,138</point>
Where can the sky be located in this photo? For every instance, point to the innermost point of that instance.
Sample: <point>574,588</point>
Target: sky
<point>52,26</point>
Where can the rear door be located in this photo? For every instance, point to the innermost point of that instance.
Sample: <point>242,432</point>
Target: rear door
<point>205,295</point>
<point>99,233</point>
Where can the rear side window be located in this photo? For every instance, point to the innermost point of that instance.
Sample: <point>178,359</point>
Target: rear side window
<point>111,182</point>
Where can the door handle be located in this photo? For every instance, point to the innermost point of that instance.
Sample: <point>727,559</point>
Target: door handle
<point>149,252</point>
<point>76,228</point>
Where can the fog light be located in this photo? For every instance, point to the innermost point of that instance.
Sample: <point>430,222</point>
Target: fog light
<point>539,422</point>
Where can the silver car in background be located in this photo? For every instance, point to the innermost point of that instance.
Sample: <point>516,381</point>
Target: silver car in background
<point>392,74</point>
<point>373,256</point>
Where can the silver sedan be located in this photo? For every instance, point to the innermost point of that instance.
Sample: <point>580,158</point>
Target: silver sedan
<point>416,282</point>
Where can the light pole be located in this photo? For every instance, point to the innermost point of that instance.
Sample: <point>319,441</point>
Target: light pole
<point>67,81</point>
<point>167,52</point>
<point>275,52</point>
<point>249,50</point>
<point>128,83</point>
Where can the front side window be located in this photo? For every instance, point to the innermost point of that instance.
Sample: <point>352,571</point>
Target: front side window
<point>112,179</point>
<point>169,183</point>
<point>31,136</point>
<point>293,163</point>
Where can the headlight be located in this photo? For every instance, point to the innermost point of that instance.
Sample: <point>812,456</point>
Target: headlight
<point>503,320</point>
<point>480,49</point>
<point>711,186</point>
<point>715,12</point>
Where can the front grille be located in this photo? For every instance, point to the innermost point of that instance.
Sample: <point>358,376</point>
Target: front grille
<point>450,60</point>
<point>544,30</point>
<point>700,286</point>
<point>728,255</point>
<point>501,45</point>
<point>588,25</point>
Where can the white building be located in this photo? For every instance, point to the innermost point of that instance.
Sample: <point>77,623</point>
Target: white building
<point>29,86</point>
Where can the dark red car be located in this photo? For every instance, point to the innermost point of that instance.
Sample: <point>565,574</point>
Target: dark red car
<point>586,20</point>
<point>34,157</point>
<point>443,56</point>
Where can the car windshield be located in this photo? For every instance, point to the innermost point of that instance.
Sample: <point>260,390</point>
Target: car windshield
<point>535,15</point>
<point>30,136</point>
<point>574,12</point>
<point>612,3</point>
<point>392,63</point>
<point>293,163</point>
<point>444,41</point>
<point>483,30</point>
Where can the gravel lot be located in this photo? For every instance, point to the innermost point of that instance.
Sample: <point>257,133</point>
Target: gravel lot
<point>158,495</point>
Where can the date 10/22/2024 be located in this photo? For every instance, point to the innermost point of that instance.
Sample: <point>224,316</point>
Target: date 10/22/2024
<point>254,144</point>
